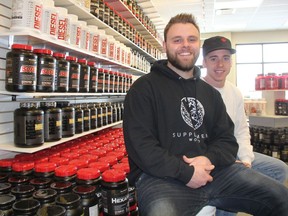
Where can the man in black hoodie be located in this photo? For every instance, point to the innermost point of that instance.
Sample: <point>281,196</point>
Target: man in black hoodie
<point>180,140</point>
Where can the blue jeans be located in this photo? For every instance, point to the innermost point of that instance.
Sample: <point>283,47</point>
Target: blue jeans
<point>268,166</point>
<point>234,188</point>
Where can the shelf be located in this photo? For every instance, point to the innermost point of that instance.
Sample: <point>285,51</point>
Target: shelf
<point>38,40</point>
<point>274,121</point>
<point>85,15</point>
<point>12,147</point>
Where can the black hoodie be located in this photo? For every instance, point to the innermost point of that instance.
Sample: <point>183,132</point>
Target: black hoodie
<point>166,117</point>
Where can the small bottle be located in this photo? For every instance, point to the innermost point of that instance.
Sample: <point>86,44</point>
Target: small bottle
<point>21,69</point>
<point>52,121</point>
<point>28,125</point>
<point>46,67</point>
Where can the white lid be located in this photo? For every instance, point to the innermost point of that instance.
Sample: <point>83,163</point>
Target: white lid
<point>48,3</point>
<point>62,11</point>
<point>83,23</point>
<point>73,17</point>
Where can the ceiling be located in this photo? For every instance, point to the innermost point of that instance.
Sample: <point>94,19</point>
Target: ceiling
<point>221,15</point>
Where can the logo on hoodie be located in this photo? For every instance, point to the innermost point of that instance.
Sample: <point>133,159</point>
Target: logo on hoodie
<point>192,112</point>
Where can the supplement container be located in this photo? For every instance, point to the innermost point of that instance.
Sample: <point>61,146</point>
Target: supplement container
<point>84,76</point>
<point>93,116</point>
<point>21,69</point>
<point>44,170</point>
<point>283,81</point>
<point>88,199</point>
<point>79,119</point>
<point>22,192</point>
<point>271,81</point>
<point>5,187</point>
<point>6,202</point>
<point>46,67</point>
<point>84,36</point>
<point>86,117</point>
<point>61,73</point>
<point>52,121</point>
<point>99,115</point>
<point>106,80</point>
<point>74,75</point>
<point>93,82</point>
<point>74,30</point>
<point>26,15</point>
<point>27,207</point>
<point>51,210</point>
<point>115,196</point>
<point>40,182</point>
<point>62,27</point>
<point>103,43</point>
<point>68,115</point>
<point>46,197</point>
<point>101,80</point>
<point>61,187</point>
<point>71,202</point>
<point>28,125</point>
<point>94,7</point>
<point>49,19</point>
<point>112,77</point>
<point>93,39</point>
<point>66,173</point>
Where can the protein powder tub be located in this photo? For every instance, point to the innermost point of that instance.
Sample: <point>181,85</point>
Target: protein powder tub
<point>52,210</point>
<point>74,75</point>
<point>6,202</point>
<point>68,118</point>
<point>49,19</point>
<point>93,115</point>
<point>21,69</point>
<point>61,72</point>
<point>26,15</point>
<point>22,192</point>
<point>115,196</point>
<point>71,202</point>
<point>52,121</point>
<point>93,82</point>
<point>46,67</point>
<point>27,207</point>
<point>28,125</point>
<point>46,196</point>
<point>86,117</point>
<point>84,76</point>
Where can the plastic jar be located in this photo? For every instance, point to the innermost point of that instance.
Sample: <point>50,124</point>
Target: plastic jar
<point>103,43</point>
<point>21,69</point>
<point>51,210</point>
<point>28,125</point>
<point>84,76</point>
<point>93,116</point>
<point>71,202</point>
<point>6,202</point>
<point>88,199</point>
<point>94,8</point>
<point>40,182</point>
<point>101,80</point>
<point>27,207</point>
<point>18,180</point>
<point>283,81</point>
<point>93,39</point>
<point>99,115</point>
<point>63,19</point>
<point>86,117</point>
<point>46,196</point>
<point>93,82</point>
<point>5,187</point>
<point>45,170</point>
<point>46,67</point>
<point>26,15</point>
<point>68,118</point>
<point>61,72</point>
<point>115,196</point>
<point>106,80</point>
<point>111,47</point>
<point>52,121</point>
<point>74,30</point>
<point>271,81</point>
<point>84,36</point>
<point>22,192</point>
<point>112,77</point>
<point>101,10</point>
<point>111,17</point>
<point>74,74</point>
<point>66,173</point>
<point>79,119</point>
<point>49,19</point>
<point>104,114</point>
<point>62,187</point>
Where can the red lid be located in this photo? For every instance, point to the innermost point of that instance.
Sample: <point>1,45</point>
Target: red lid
<point>7,162</point>
<point>65,170</point>
<point>109,159</point>
<point>43,51</point>
<point>88,173</point>
<point>22,166</point>
<point>79,163</point>
<point>22,46</point>
<point>92,64</point>
<point>45,167</point>
<point>71,58</point>
<point>90,158</point>
<point>122,166</point>
<point>84,61</point>
<point>102,166</point>
<point>99,152</point>
<point>113,175</point>
<point>117,154</point>
<point>59,160</point>
<point>70,155</point>
<point>60,55</point>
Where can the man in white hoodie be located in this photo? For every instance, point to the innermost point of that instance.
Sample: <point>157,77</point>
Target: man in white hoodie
<point>217,59</point>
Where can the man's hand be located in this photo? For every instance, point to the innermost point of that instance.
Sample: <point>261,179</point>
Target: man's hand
<point>202,169</point>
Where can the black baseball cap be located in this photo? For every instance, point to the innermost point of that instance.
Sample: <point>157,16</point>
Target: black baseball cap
<point>216,43</point>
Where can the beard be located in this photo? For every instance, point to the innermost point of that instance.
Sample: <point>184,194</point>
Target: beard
<point>181,65</point>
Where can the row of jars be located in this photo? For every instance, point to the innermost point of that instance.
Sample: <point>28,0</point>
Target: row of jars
<point>270,141</point>
<point>49,121</point>
<point>79,177</point>
<point>281,107</point>
<point>42,70</point>
<point>271,81</point>
<point>56,23</point>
